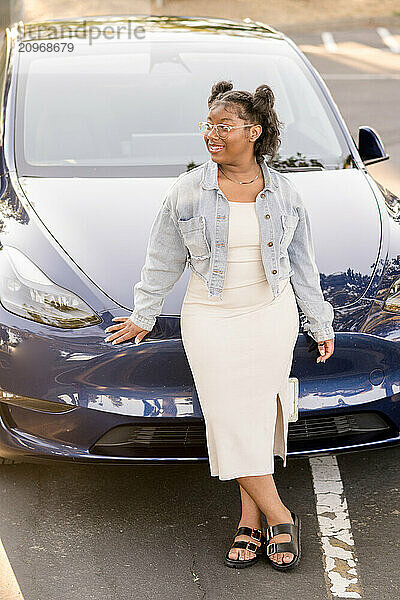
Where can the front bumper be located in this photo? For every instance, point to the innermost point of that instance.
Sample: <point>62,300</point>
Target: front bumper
<point>32,436</point>
<point>145,396</point>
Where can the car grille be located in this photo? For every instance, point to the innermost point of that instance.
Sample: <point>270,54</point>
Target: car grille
<point>177,439</point>
<point>317,428</point>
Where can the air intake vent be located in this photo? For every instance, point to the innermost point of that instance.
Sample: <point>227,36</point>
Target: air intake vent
<point>180,439</point>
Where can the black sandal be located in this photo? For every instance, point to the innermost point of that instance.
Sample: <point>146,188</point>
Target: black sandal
<point>256,534</point>
<point>294,546</point>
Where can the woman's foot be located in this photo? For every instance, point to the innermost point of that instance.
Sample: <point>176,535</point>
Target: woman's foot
<point>281,517</point>
<point>242,553</point>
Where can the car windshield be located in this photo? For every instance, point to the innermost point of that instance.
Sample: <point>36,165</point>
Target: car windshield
<point>131,108</point>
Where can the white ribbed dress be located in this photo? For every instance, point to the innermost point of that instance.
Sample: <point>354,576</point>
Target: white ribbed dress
<point>240,351</point>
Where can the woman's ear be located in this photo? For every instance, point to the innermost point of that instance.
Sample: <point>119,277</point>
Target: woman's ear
<point>255,132</point>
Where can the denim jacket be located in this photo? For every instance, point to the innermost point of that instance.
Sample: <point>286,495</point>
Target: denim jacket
<point>191,228</point>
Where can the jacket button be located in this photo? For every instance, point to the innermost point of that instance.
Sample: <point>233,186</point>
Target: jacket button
<point>274,271</point>
<point>267,216</point>
<point>270,243</point>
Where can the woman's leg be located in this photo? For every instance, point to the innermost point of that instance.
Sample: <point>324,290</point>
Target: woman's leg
<point>250,517</point>
<point>262,491</point>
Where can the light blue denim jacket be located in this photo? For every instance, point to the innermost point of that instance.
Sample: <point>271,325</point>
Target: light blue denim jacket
<point>191,228</point>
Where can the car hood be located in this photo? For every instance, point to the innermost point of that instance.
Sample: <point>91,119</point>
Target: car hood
<point>103,225</point>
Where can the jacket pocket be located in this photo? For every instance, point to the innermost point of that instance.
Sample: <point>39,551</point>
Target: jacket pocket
<point>289,224</point>
<point>194,236</point>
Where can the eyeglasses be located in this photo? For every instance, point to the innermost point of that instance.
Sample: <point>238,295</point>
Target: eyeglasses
<point>221,129</point>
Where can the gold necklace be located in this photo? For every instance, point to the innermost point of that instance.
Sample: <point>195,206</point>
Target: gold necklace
<point>241,182</point>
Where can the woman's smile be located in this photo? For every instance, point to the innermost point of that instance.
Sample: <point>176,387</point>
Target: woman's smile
<point>214,147</point>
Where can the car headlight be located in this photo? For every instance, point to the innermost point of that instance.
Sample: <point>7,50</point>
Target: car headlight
<point>26,291</point>
<point>392,302</point>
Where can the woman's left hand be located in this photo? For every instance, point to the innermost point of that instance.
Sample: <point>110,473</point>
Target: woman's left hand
<point>325,349</point>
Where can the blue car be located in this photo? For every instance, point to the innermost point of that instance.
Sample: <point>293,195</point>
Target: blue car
<point>92,133</point>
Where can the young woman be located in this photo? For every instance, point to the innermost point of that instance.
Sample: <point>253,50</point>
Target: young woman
<point>247,236</point>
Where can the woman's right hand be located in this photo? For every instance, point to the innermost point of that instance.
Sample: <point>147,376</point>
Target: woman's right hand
<point>125,331</point>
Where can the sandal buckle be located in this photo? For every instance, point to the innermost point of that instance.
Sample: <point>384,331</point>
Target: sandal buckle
<point>251,544</point>
<point>257,536</point>
<point>271,548</point>
<point>269,533</point>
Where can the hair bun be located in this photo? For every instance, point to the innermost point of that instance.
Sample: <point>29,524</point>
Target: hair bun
<point>264,98</point>
<point>218,89</point>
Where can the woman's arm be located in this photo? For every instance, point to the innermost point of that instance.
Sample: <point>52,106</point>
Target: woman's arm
<point>164,264</point>
<point>306,279</point>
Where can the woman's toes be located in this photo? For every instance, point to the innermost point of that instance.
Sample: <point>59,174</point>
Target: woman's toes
<point>242,553</point>
<point>288,557</point>
<point>275,557</point>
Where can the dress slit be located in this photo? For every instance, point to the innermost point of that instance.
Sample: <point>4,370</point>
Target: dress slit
<point>279,431</point>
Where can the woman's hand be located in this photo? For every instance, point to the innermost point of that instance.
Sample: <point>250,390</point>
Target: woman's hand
<point>325,349</point>
<point>126,331</point>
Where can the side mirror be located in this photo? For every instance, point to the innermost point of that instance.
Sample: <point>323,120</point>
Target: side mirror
<point>370,145</point>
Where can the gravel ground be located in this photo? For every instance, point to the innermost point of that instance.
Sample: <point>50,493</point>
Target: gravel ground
<point>282,14</point>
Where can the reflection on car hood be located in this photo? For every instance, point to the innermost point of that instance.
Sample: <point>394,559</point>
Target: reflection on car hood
<point>104,224</point>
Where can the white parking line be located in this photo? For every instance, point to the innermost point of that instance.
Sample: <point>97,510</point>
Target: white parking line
<point>329,41</point>
<point>336,537</point>
<point>9,588</point>
<point>388,39</point>
<point>358,56</point>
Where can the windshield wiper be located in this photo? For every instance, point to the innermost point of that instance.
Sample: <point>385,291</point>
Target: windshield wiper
<point>300,169</point>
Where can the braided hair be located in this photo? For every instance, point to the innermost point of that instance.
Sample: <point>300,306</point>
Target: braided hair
<point>252,108</point>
